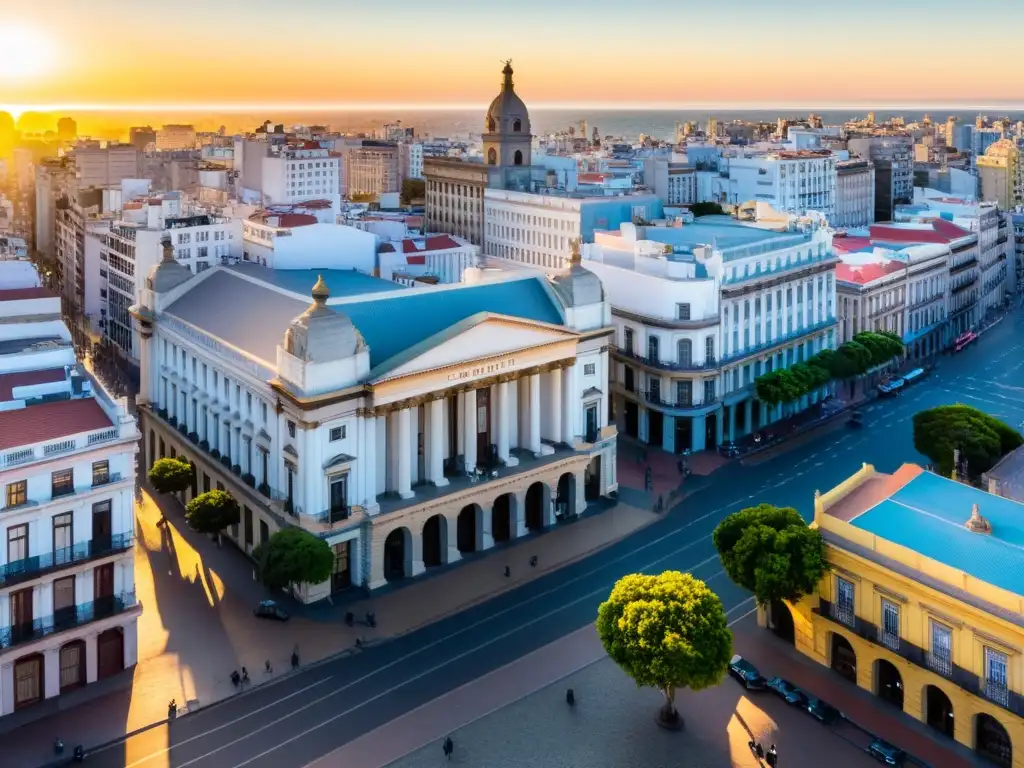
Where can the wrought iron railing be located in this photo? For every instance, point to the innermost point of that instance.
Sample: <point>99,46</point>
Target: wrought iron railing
<point>66,618</point>
<point>842,614</point>
<point>30,567</point>
<point>940,662</point>
<point>998,692</point>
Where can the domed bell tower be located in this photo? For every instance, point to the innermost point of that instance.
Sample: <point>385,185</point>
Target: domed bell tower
<point>506,136</point>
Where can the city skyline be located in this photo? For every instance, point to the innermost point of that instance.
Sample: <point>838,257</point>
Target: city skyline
<point>323,55</point>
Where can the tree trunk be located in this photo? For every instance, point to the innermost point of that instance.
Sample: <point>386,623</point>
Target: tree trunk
<point>668,716</point>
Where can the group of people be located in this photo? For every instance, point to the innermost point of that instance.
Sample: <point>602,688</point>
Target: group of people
<point>771,758</point>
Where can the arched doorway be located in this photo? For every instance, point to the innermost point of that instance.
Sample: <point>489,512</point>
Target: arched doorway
<point>782,622</point>
<point>517,159</point>
<point>592,480</point>
<point>72,665</point>
<point>109,652</point>
<point>28,680</point>
<point>467,527</point>
<point>938,710</point>
<point>991,741</point>
<point>565,496</point>
<point>396,551</point>
<point>537,497</point>
<point>501,518</point>
<point>435,541</point>
<point>888,683</point>
<point>844,660</point>
<point>492,156</point>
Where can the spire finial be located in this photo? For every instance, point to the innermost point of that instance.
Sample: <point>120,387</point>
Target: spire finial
<point>507,72</point>
<point>168,246</point>
<point>575,257</point>
<point>321,293</point>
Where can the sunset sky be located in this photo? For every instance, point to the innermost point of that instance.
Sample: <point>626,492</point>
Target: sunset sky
<point>566,52</point>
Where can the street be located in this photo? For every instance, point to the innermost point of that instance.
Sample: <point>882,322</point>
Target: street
<point>301,718</point>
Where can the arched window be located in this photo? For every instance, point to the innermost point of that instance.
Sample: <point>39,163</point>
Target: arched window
<point>492,156</point>
<point>518,159</point>
<point>685,352</point>
<point>490,124</point>
<point>517,125</point>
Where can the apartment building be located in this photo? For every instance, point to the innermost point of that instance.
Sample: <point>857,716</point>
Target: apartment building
<point>893,159</point>
<point>373,168</point>
<point>176,137</point>
<point>855,194</point>
<point>292,174</point>
<point>793,181</point>
<point>68,611</point>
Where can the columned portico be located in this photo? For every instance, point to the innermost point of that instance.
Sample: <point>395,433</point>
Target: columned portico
<point>555,421</point>
<point>404,482</point>
<point>533,416</point>
<point>436,430</point>
<point>469,431</point>
<point>504,424</point>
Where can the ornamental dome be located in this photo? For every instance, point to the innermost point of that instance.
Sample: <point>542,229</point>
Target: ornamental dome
<point>507,114</point>
<point>320,335</point>
<point>579,287</point>
<point>168,273</point>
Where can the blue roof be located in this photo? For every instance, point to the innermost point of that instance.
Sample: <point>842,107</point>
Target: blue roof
<point>393,325</point>
<point>724,231</point>
<point>340,282</point>
<point>927,515</point>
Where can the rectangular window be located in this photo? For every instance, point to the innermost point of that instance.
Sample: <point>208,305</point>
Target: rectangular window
<point>589,369</point>
<point>684,393</point>
<point>627,339</point>
<point>709,391</point>
<point>890,634</point>
<point>100,472</point>
<point>940,657</point>
<point>291,429</point>
<point>844,610</point>
<point>682,311</point>
<point>63,537</point>
<point>17,494</point>
<point>263,411</point>
<point>17,543</point>
<point>337,433</point>
<point>62,482</point>
<point>995,677</point>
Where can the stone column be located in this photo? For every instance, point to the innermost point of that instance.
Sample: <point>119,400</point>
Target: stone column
<point>469,431</point>
<point>570,404</point>
<point>503,425</point>
<point>453,539</point>
<point>698,429</point>
<point>534,415</point>
<point>131,644</point>
<point>519,514</point>
<point>732,422</point>
<point>91,659</point>
<point>668,434</point>
<point>370,463</point>
<point>435,473</point>
<point>484,531</point>
<point>416,557</point>
<point>51,673</point>
<point>403,484</point>
<point>555,427</point>
<point>748,421</point>
<point>719,426</point>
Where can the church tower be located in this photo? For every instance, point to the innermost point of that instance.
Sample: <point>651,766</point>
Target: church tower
<point>506,136</point>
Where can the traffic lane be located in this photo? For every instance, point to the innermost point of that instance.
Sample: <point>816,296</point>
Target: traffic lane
<point>327,728</point>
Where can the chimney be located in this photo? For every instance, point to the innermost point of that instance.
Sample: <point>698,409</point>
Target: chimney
<point>977,523</point>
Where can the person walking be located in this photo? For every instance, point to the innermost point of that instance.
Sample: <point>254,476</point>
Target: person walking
<point>772,758</point>
<point>448,746</point>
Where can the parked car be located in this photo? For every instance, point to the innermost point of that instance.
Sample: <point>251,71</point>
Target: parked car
<point>269,609</point>
<point>886,753</point>
<point>746,673</point>
<point>823,712</point>
<point>788,691</point>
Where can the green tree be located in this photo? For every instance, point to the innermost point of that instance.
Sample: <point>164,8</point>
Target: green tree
<point>362,197</point>
<point>212,512</point>
<point>771,552</point>
<point>293,556</point>
<point>981,439</point>
<point>666,632</point>
<point>413,189</point>
<point>706,209</point>
<point>170,475</point>
<point>883,347</point>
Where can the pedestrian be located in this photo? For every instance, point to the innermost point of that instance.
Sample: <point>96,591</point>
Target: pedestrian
<point>448,746</point>
<point>295,658</point>
<point>772,758</point>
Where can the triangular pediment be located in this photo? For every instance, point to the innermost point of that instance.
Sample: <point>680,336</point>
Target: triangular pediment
<point>483,337</point>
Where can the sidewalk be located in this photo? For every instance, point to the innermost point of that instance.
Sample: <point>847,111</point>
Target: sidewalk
<point>634,459</point>
<point>197,623</point>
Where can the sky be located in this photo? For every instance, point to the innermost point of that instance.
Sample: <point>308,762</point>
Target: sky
<point>338,53</point>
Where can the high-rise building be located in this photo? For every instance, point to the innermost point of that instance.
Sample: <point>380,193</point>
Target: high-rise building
<point>104,166</point>
<point>893,158</point>
<point>373,168</point>
<point>141,137</point>
<point>855,194</point>
<point>1001,175</point>
<point>174,136</point>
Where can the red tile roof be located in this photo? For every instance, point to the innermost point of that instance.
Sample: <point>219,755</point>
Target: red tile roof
<point>848,244</point>
<point>20,294</point>
<point>593,178</point>
<point>865,273</point>
<point>50,421</point>
<point>933,231</point>
<point>8,381</point>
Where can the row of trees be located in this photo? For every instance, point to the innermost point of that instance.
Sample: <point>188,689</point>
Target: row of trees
<point>290,556</point>
<point>671,631</point>
<point>865,351</point>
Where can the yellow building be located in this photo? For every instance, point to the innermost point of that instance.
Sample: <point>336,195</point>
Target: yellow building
<point>922,603</point>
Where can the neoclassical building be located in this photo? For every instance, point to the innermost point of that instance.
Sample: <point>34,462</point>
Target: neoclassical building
<point>405,427</point>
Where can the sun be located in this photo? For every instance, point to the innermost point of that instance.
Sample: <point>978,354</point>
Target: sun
<point>25,53</point>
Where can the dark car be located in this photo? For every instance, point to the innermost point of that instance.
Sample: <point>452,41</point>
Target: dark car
<point>788,691</point>
<point>268,609</point>
<point>746,673</point>
<point>823,711</point>
<point>886,753</point>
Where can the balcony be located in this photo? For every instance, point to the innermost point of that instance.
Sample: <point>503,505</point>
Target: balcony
<point>67,618</point>
<point>659,400</point>
<point>665,365</point>
<point>997,692</point>
<point>766,346</point>
<point>940,663</point>
<point>334,515</point>
<point>32,567</point>
<point>46,451</point>
<point>842,614</point>
<point>960,267</point>
<point>890,640</point>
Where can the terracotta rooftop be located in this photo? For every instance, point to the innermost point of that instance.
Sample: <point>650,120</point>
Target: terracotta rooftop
<point>8,381</point>
<point>50,421</point>
<point>20,294</point>
<point>411,245</point>
<point>932,231</point>
<point>872,492</point>
<point>865,273</point>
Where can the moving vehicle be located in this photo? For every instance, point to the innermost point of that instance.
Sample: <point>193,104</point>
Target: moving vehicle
<point>268,609</point>
<point>788,691</point>
<point>891,388</point>
<point>963,340</point>
<point>856,419</point>
<point>886,753</point>
<point>823,712</point>
<point>746,673</point>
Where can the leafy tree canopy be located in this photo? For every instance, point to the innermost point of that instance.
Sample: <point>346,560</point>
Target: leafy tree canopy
<point>666,632</point>
<point>293,556</point>
<point>771,552</point>
<point>170,475</point>
<point>981,439</point>
<point>413,189</point>
<point>706,209</point>
<point>212,512</point>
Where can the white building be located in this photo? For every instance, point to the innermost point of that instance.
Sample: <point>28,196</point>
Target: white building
<point>68,610</point>
<point>295,174</point>
<point>405,427</point>
<point>537,230</point>
<point>791,181</point>
<point>411,160</point>
<point>675,183</point>
<point>855,194</point>
<point>411,260</point>
<point>300,241</point>
<point>700,312</point>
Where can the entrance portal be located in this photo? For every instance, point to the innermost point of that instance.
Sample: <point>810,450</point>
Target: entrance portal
<point>435,541</point>
<point>535,504</point>
<point>844,659</point>
<point>888,683</point>
<point>782,622</point>
<point>991,741</point>
<point>501,518</point>
<point>938,710</point>
<point>467,527</point>
<point>396,550</point>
